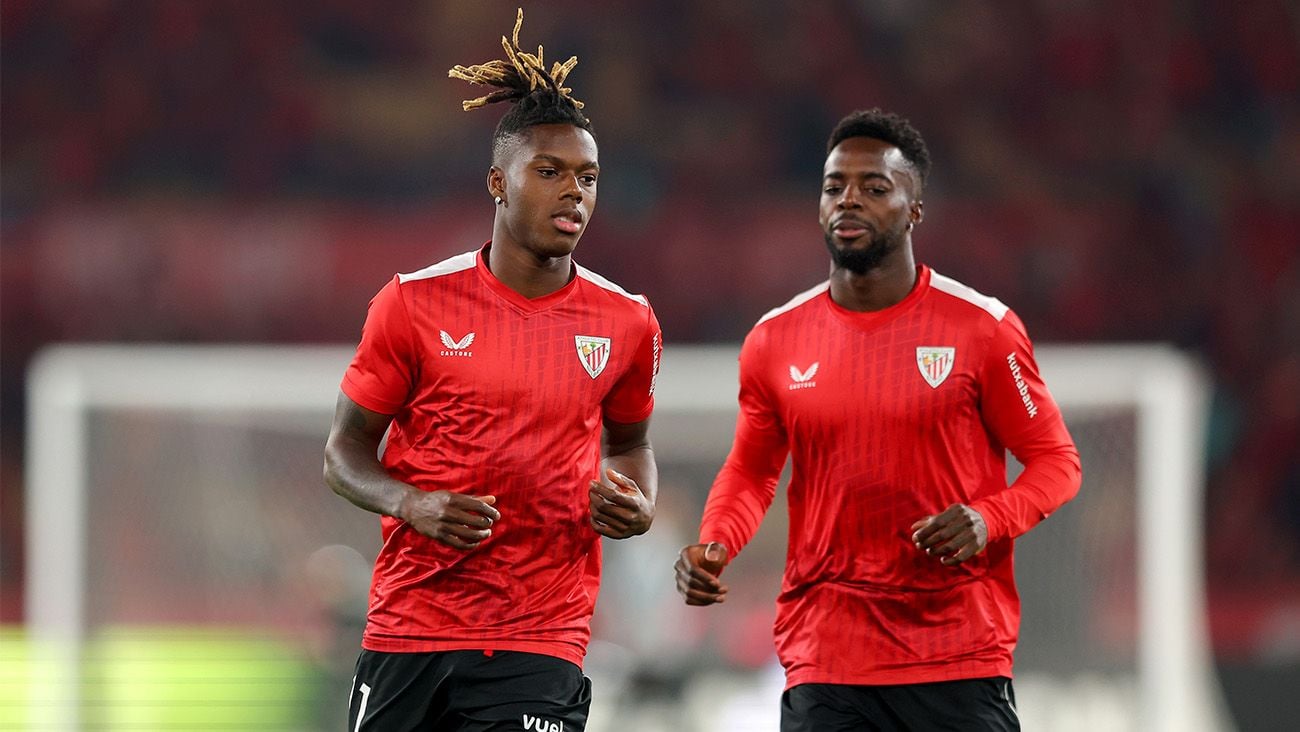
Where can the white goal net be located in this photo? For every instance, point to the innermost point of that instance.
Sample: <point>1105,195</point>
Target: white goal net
<point>188,569</point>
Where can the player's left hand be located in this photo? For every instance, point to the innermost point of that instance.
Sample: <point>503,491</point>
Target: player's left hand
<point>954,536</point>
<point>619,509</point>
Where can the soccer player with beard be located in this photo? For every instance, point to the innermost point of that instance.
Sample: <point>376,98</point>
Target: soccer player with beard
<point>484,384</point>
<point>897,392</point>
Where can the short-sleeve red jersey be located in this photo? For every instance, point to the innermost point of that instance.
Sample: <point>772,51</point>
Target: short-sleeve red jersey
<point>890,416</point>
<point>495,394</point>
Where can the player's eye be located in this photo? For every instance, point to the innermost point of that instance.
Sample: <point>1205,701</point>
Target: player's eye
<point>546,172</point>
<point>588,180</point>
<point>832,190</point>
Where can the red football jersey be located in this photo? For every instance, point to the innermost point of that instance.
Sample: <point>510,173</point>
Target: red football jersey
<point>494,393</point>
<point>891,416</point>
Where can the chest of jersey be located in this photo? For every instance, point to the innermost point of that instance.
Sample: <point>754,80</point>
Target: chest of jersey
<point>899,379</point>
<point>561,360</point>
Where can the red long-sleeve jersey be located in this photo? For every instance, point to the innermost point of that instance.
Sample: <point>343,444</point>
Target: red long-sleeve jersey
<point>890,416</point>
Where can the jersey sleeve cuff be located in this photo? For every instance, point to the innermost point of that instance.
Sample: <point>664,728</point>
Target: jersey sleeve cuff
<point>992,523</point>
<point>639,415</point>
<point>358,394</point>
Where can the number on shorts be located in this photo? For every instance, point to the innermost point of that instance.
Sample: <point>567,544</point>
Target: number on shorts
<point>365,697</point>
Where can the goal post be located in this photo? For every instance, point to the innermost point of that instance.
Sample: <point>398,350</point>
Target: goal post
<point>66,385</point>
<point>237,428</point>
<point>1169,393</point>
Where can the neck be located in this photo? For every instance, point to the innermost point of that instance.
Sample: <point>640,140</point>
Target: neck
<point>877,288</point>
<point>527,272</point>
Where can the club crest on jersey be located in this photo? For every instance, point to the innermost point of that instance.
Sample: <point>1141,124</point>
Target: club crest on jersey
<point>803,379</point>
<point>935,363</point>
<point>456,347</point>
<point>593,352</point>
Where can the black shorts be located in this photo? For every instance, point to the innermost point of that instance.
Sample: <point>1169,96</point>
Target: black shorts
<point>968,704</point>
<point>467,691</point>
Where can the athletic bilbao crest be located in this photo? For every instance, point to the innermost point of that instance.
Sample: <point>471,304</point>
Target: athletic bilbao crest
<point>935,363</point>
<point>593,352</point>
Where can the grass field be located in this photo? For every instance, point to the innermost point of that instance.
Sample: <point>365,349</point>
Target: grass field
<point>171,679</point>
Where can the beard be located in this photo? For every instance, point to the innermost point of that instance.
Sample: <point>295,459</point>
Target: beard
<point>863,260</point>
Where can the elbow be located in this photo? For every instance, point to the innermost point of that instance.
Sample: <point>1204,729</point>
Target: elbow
<point>330,468</point>
<point>1072,467</point>
<point>1057,473</point>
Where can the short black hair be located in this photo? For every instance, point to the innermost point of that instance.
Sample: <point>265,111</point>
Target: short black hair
<point>539,107</point>
<point>537,94</point>
<point>886,127</point>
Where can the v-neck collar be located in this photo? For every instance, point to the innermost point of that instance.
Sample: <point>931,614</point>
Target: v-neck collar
<point>515,299</point>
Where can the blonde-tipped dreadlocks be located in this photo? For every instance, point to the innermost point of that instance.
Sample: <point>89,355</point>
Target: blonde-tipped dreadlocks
<point>519,76</point>
<point>538,95</point>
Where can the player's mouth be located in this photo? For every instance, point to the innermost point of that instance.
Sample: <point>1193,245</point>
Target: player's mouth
<point>569,222</point>
<point>850,229</point>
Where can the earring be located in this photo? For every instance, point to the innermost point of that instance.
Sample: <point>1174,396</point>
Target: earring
<point>498,200</point>
<point>910,224</point>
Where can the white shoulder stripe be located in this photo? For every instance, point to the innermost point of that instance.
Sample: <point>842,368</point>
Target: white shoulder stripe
<point>796,301</point>
<point>458,263</point>
<point>603,283</point>
<point>990,305</point>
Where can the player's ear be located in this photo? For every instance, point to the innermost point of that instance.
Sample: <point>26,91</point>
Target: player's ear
<point>917,213</point>
<point>496,182</point>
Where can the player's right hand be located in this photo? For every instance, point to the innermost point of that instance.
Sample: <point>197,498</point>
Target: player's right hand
<point>698,567</point>
<point>455,519</point>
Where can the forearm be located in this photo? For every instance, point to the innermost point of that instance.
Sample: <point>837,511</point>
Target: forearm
<point>746,485</point>
<point>735,508</point>
<point>637,463</point>
<point>1050,478</point>
<point>353,472</point>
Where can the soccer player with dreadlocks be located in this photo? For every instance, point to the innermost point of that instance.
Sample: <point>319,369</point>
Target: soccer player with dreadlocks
<point>494,375</point>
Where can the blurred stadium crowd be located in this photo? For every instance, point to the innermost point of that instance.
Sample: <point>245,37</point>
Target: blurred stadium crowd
<point>245,171</point>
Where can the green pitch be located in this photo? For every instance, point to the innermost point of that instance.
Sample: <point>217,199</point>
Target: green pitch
<point>145,678</point>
